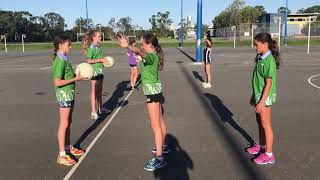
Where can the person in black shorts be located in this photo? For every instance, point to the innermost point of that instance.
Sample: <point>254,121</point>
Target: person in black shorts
<point>207,62</point>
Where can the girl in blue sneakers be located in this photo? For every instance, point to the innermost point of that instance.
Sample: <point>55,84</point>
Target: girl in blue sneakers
<point>152,62</point>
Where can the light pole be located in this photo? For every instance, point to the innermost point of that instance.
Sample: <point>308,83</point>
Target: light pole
<point>286,25</point>
<point>253,28</point>
<point>234,29</point>
<point>279,33</point>
<point>199,32</point>
<point>22,39</point>
<point>87,22</point>
<point>5,42</point>
<point>181,26</point>
<point>309,31</point>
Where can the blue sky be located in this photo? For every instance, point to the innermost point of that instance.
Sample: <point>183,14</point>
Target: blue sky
<point>101,11</point>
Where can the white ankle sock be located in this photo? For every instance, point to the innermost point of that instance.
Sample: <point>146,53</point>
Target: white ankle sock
<point>62,153</point>
<point>269,154</point>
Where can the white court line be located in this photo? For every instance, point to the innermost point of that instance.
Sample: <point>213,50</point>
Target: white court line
<point>46,67</point>
<point>309,81</point>
<point>74,168</point>
<point>52,66</point>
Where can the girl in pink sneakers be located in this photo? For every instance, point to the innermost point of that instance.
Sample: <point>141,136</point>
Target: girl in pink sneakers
<point>264,84</point>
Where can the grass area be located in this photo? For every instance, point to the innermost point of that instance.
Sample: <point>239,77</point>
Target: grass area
<point>170,43</point>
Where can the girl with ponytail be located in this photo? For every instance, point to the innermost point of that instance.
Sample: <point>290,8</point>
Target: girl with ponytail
<point>152,62</point>
<point>264,85</point>
<point>91,48</point>
<point>64,83</point>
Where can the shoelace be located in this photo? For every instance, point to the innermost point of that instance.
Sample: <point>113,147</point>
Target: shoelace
<point>152,161</point>
<point>67,157</point>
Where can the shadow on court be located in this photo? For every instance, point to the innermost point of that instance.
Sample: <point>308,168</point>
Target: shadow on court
<point>187,55</point>
<point>198,76</point>
<point>178,162</point>
<point>112,103</point>
<point>237,152</point>
<point>226,116</point>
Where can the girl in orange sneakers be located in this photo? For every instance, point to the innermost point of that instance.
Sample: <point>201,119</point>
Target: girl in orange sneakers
<point>64,82</point>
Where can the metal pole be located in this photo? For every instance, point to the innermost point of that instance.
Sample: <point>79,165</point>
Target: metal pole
<point>22,43</point>
<point>181,26</point>
<point>199,32</point>
<point>253,28</point>
<point>309,34</point>
<point>5,44</point>
<point>286,25</point>
<point>252,37</point>
<point>234,36</point>
<point>87,23</point>
<point>279,40</point>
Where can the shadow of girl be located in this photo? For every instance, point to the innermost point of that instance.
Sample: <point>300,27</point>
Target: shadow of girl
<point>179,162</point>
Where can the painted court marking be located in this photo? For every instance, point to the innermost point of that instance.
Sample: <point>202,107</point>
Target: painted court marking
<point>74,168</point>
<point>309,81</point>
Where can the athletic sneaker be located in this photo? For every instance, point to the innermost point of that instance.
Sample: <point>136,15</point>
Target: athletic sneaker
<point>207,85</point>
<point>65,160</point>
<point>76,152</point>
<point>165,149</point>
<point>155,164</point>
<point>204,83</point>
<point>94,115</point>
<point>265,159</point>
<point>255,149</point>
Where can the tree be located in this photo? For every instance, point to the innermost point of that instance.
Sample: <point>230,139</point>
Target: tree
<point>205,28</point>
<point>184,30</point>
<point>312,9</point>
<point>300,11</point>
<point>81,23</point>
<point>248,15</point>
<point>55,24</point>
<point>229,16</point>
<point>314,29</point>
<point>111,30</point>
<point>160,24</point>
<point>125,25</point>
<point>261,10</point>
<point>283,10</point>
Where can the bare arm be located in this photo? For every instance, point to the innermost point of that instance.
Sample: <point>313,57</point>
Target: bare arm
<point>60,82</point>
<point>123,42</point>
<point>137,51</point>
<point>92,61</point>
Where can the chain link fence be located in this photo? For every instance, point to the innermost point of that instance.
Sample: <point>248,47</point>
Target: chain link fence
<point>245,32</point>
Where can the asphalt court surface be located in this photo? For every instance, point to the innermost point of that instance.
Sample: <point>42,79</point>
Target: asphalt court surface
<point>208,129</point>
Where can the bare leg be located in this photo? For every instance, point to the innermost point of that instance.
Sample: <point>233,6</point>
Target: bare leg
<point>154,115</point>
<point>63,126</point>
<point>163,126</point>
<point>99,92</point>
<point>208,72</point>
<point>266,124</point>
<point>93,95</point>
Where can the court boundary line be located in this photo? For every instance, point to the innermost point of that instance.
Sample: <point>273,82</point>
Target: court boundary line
<point>74,168</point>
<point>310,78</point>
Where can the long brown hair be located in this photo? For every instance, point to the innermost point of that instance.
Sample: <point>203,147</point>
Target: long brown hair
<point>273,46</point>
<point>87,40</point>
<point>150,38</point>
<point>57,41</point>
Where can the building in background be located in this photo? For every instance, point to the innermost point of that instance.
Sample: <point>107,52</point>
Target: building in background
<point>298,21</point>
